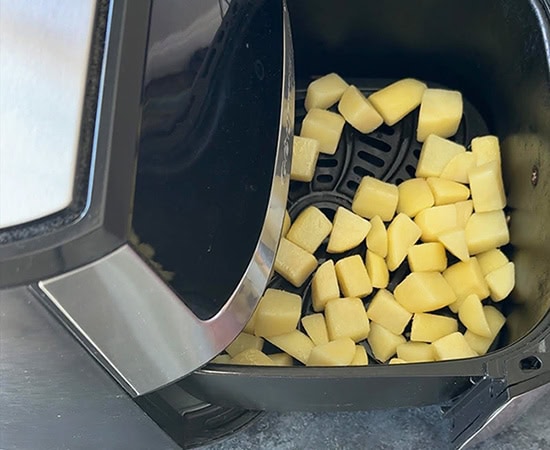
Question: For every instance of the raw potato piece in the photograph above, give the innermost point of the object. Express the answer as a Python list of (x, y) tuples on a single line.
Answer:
[(346, 317), (496, 321), (487, 187), (431, 327), (252, 357), (375, 198), (457, 168), (335, 353), (447, 191), (402, 234), (414, 196), (377, 239), (281, 359), (353, 278), (310, 229), (348, 231), (466, 278), (436, 220), (295, 343), (358, 111), (377, 270), (286, 224), (386, 311), (316, 328), (397, 361), (293, 263), (455, 242), (464, 211), (221, 359), (486, 149), (398, 99), (436, 153), (325, 91), (424, 292), (501, 282), (485, 231), (491, 260), (383, 342), (360, 358), (325, 127), (249, 327), (324, 286), (440, 113), (278, 312), (453, 346), (471, 314), (430, 257), (305, 152), (415, 352), (243, 342)]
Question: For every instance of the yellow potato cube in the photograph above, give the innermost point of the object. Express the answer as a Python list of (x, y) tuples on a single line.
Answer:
[(316, 328), (325, 91), (335, 353), (429, 257), (346, 317), (305, 152), (431, 327), (358, 111), (293, 263), (386, 311), (295, 343), (414, 196), (466, 278), (398, 99), (375, 198), (436, 153), (436, 220), (487, 187), (455, 242), (348, 231), (353, 278), (471, 314), (377, 270), (286, 224), (377, 239), (310, 229), (485, 231), (221, 359), (383, 342), (464, 211), (360, 358), (486, 149), (243, 342), (491, 260), (325, 127), (416, 352), (324, 286), (249, 327), (397, 361), (278, 312), (501, 282), (281, 359), (452, 346), (252, 357), (496, 321), (402, 234), (447, 191), (423, 292), (440, 113), (457, 168)]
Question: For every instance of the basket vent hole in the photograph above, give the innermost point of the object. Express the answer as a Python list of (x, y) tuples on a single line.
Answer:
[(374, 160), (530, 363), (325, 178), (410, 170), (327, 163), (362, 172), (353, 185), (416, 153)]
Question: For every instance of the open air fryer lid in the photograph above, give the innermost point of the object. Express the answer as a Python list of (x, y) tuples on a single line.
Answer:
[(160, 241)]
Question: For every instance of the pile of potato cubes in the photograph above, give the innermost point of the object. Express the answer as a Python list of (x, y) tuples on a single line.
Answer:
[(452, 209)]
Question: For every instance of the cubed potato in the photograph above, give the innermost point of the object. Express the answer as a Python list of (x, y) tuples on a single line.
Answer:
[(335, 353), (295, 343), (310, 229), (386, 311), (435, 154), (486, 149), (436, 220), (249, 327), (487, 187), (221, 359), (466, 278), (496, 321), (501, 282), (485, 231), (414, 196), (305, 152), (402, 234), (278, 312), (398, 99), (324, 92), (353, 278), (286, 224), (457, 168), (281, 359), (464, 211), (393, 361), (324, 286), (452, 346), (243, 342), (348, 231), (325, 127), (383, 342), (377, 270), (416, 352), (377, 239), (429, 257), (293, 263), (440, 113), (316, 328), (472, 316), (360, 358), (424, 292), (375, 198), (358, 111), (347, 317), (455, 242), (491, 260), (252, 357), (447, 191), (431, 327)]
